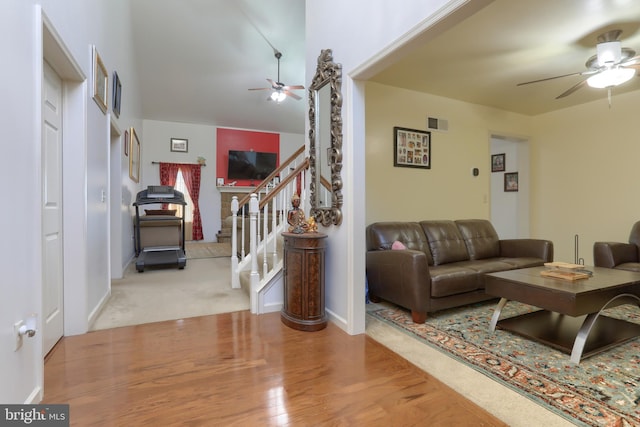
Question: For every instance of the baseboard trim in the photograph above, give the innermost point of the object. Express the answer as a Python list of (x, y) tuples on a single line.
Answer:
[(96, 311)]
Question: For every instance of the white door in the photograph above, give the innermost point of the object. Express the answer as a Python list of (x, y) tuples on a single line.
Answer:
[(52, 257)]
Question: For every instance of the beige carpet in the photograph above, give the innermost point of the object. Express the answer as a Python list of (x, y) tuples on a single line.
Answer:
[(203, 287), (199, 250)]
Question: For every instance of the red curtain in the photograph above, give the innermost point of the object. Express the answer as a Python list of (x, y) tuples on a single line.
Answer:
[(191, 174), (168, 173)]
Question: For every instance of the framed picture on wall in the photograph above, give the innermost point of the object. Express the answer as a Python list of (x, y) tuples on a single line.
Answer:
[(134, 156), (511, 181), (412, 148), (179, 145), (117, 94), (100, 81), (126, 142), (497, 162)]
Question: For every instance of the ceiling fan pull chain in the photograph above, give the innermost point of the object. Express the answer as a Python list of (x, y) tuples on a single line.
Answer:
[(609, 97)]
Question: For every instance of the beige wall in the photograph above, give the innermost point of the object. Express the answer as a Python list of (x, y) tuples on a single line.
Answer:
[(448, 190), (583, 165), (584, 168)]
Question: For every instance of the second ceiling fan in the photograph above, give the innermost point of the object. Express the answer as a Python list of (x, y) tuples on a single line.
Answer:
[(611, 66), (279, 90)]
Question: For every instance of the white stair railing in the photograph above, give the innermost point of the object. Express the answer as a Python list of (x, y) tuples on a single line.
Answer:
[(270, 203)]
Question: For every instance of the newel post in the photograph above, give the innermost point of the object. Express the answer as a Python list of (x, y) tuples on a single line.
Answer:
[(253, 236), (235, 274)]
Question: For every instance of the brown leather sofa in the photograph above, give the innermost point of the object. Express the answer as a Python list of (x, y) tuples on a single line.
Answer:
[(444, 262), (623, 256)]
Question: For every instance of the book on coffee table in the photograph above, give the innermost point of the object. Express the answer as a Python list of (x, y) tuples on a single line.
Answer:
[(564, 275), (565, 271), (563, 266)]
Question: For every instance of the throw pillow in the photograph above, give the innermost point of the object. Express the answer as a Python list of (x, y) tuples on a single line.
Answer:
[(398, 246)]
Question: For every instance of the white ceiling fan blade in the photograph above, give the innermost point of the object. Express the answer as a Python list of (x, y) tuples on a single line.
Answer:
[(260, 88), (635, 61), (294, 87), (292, 95), (550, 78), (572, 89)]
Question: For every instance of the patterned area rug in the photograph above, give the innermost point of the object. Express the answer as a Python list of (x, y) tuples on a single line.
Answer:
[(201, 250), (603, 390)]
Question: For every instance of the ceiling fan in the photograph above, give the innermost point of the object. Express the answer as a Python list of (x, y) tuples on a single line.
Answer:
[(610, 67), (279, 91)]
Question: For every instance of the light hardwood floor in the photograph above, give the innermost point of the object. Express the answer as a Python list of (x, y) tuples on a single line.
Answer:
[(240, 369)]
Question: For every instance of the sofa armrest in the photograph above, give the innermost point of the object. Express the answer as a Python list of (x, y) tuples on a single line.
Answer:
[(400, 276), (532, 248), (610, 254)]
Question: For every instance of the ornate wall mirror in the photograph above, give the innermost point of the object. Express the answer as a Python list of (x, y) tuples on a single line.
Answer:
[(325, 141)]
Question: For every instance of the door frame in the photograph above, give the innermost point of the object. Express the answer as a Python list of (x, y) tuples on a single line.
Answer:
[(74, 199)]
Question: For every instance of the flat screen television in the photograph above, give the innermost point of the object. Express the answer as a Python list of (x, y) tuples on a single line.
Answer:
[(252, 165)]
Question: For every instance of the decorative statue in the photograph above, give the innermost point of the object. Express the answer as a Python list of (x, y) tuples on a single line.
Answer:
[(296, 218), (312, 227)]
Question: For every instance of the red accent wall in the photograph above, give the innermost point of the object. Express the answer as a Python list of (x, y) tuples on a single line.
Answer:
[(234, 139)]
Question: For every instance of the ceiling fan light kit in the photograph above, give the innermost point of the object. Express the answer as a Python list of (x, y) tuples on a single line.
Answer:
[(611, 77), (278, 96)]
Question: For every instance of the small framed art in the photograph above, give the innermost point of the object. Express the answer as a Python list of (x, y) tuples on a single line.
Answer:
[(511, 181), (179, 145), (134, 156), (126, 142), (117, 94), (412, 148), (497, 162)]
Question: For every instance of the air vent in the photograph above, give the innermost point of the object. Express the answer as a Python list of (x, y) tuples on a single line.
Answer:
[(440, 125)]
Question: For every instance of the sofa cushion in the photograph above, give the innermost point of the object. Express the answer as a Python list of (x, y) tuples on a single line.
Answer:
[(629, 266), (445, 241), (523, 262), (452, 279), (480, 237), (381, 235)]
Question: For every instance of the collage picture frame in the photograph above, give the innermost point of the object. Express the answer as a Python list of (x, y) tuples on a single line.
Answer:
[(412, 148)]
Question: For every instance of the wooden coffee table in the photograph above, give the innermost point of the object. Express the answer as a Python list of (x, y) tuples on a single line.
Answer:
[(571, 318)]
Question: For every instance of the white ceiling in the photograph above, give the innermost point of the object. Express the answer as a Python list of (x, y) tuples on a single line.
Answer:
[(482, 59), (198, 58)]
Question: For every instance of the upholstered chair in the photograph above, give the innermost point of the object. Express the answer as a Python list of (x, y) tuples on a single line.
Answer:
[(623, 256)]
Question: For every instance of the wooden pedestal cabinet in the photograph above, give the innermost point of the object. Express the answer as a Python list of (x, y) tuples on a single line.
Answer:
[(303, 307)]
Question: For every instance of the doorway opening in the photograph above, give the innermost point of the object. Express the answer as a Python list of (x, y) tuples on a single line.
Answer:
[(509, 208)]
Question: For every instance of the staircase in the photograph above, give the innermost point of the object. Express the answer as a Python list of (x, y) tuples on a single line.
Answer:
[(256, 240)]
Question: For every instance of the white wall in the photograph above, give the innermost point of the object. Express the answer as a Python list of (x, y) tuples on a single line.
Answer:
[(79, 25), (20, 164)]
